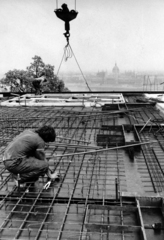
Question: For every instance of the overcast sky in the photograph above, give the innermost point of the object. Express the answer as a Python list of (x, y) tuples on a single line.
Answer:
[(128, 32)]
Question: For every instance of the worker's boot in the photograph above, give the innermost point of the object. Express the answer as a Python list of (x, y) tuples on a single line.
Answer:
[(21, 185), (17, 179)]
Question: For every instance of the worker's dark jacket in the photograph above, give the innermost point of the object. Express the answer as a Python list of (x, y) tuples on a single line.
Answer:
[(22, 156), (37, 86)]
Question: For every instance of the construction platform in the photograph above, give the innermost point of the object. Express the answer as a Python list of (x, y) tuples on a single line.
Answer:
[(110, 157)]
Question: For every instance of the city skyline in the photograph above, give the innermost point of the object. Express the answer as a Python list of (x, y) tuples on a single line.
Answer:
[(127, 32)]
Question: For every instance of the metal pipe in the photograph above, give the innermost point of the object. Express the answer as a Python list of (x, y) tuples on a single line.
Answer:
[(144, 125), (68, 205), (106, 149), (90, 115), (77, 146), (116, 187), (141, 220), (86, 203), (72, 139)]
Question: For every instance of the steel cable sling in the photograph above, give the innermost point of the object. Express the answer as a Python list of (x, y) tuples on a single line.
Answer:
[(68, 53), (67, 15)]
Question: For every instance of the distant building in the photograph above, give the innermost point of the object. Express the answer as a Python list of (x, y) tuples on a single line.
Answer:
[(130, 73), (115, 71), (101, 75)]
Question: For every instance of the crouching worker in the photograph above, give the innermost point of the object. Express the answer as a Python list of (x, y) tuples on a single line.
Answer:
[(25, 157)]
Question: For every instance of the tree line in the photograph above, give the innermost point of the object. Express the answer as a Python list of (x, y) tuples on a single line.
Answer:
[(21, 80)]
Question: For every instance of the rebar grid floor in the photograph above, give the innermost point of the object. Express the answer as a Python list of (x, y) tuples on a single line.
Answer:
[(89, 200)]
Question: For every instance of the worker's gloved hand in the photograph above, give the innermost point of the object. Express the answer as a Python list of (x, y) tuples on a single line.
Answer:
[(55, 176)]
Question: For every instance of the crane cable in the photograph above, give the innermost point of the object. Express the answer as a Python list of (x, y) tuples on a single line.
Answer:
[(81, 71), (68, 53)]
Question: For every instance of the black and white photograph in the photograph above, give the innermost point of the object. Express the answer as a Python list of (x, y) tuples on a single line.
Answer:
[(81, 119)]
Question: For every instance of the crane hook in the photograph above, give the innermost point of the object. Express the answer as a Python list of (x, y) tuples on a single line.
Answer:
[(66, 15)]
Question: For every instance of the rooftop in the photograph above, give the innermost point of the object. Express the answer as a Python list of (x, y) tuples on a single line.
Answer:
[(109, 151)]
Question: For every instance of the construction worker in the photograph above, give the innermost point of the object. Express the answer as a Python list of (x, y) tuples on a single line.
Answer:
[(25, 156), (38, 83)]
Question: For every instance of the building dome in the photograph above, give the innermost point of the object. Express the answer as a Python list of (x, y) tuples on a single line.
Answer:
[(115, 70)]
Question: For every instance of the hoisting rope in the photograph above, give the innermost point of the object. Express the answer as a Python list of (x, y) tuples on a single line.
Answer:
[(81, 71), (68, 53), (66, 15)]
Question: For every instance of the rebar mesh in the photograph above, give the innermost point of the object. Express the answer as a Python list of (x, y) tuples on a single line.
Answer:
[(62, 211)]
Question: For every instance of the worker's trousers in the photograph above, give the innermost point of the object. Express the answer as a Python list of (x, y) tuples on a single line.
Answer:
[(29, 168)]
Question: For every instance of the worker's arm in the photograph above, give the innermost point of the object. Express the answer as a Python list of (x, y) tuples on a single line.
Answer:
[(40, 151), (44, 82), (40, 154)]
